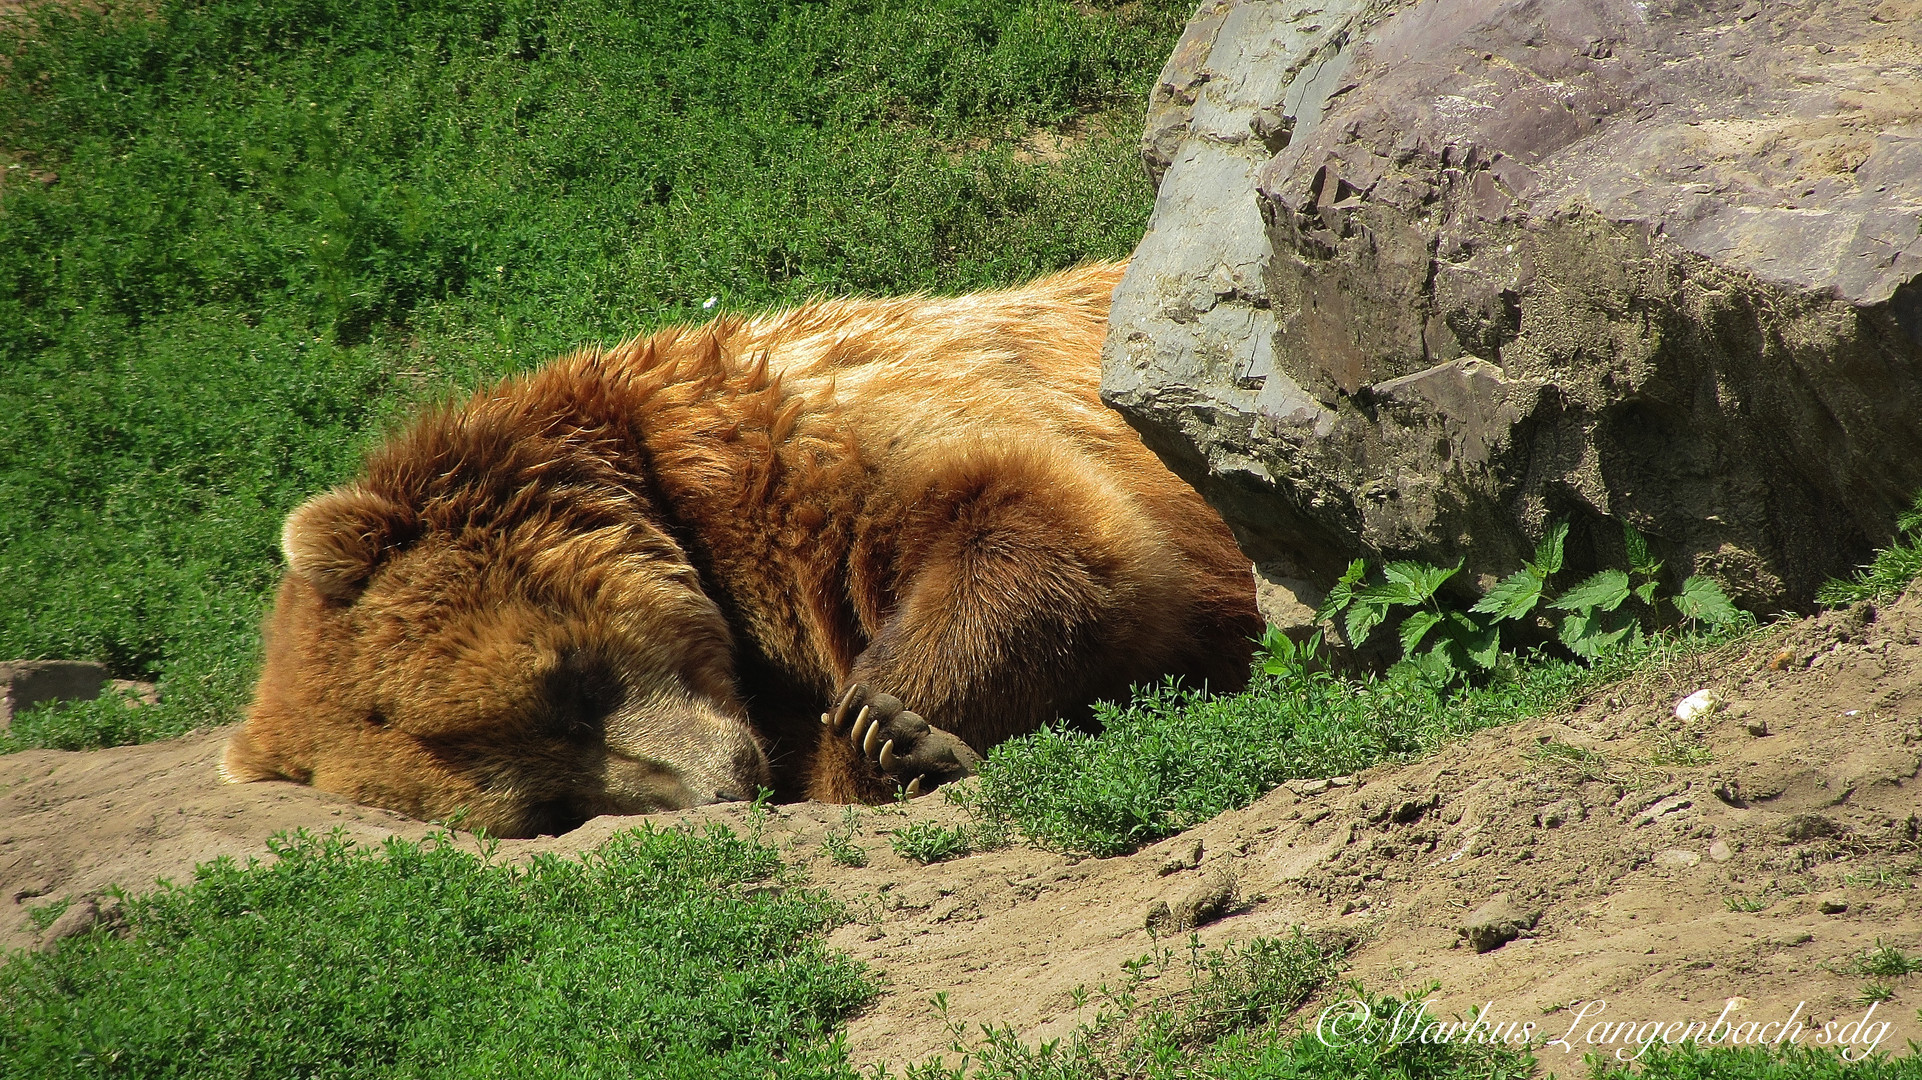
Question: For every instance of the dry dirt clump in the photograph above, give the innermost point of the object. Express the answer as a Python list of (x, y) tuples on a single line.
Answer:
[(1613, 853)]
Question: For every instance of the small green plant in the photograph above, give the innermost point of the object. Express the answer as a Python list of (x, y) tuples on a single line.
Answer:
[(1681, 749), (927, 842), (46, 914), (1230, 1021), (1879, 878), (1579, 764), (1243, 986), (1892, 569), (1174, 757), (1747, 904), (1447, 645), (1875, 993), (839, 843), (1288, 659), (1459, 639), (1888, 962)]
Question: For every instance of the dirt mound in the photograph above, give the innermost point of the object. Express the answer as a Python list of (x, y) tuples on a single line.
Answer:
[(1611, 853)]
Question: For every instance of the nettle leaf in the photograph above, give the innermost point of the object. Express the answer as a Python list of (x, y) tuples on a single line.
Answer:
[(1343, 593), (1422, 580), (1588, 636), (1415, 627), (1605, 591), (1363, 618), (1645, 592), (1435, 665), (1388, 593), (1576, 627), (1514, 597), (1615, 631), (1638, 561), (1481, 644), (1704, 601), (1548, 553)]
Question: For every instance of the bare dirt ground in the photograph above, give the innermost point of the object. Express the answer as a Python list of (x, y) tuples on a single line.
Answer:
[(1754, 854)]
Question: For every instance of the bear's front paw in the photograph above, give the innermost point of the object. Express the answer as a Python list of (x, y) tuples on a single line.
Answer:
[(899, 742)]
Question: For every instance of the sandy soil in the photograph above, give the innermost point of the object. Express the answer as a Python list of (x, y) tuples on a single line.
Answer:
[(1799, 799)]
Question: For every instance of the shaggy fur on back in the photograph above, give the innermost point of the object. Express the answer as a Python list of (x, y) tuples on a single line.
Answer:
[(637, 578)]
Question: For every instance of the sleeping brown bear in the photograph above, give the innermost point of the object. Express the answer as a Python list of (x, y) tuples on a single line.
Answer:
[(749, 554)]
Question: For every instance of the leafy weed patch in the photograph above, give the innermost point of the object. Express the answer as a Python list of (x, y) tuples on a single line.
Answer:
[(929, 842), (1175, 757)]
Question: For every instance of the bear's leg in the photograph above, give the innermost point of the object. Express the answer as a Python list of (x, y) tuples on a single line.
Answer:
[(1028, 588)]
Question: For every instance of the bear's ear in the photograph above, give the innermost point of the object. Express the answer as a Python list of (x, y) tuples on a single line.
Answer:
[(336, 540)]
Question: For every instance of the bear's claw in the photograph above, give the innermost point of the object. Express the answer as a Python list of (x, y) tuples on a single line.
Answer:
[(898, 741)]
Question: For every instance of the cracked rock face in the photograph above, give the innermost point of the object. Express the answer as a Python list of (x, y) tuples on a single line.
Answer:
[(1424, 277)]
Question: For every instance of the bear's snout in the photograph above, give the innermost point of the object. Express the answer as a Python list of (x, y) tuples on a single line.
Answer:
[(670, 757)]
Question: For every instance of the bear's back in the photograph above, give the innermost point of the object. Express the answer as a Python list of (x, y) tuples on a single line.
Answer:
[(907, 378)]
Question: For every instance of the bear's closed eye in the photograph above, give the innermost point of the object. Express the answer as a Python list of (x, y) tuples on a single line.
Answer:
[(580, 694)]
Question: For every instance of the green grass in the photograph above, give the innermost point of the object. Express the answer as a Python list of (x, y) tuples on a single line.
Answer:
[(839, 846), (277, 226), (1174, 758), (928, 842), (659, 954), (1888, 961), (1892, 569)]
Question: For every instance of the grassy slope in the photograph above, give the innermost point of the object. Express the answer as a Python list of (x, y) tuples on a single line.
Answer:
[(277, 224)]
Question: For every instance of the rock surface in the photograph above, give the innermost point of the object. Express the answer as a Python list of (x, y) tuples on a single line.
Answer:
[(1496, 923), (1424, 277), (26, 683)]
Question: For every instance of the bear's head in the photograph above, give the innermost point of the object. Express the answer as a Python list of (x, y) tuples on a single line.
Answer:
[(493, 627)]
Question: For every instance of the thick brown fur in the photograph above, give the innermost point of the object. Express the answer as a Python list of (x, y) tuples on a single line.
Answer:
[(635, 578)]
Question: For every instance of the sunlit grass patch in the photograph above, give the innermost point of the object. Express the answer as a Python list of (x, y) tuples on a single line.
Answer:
[(656, 954)]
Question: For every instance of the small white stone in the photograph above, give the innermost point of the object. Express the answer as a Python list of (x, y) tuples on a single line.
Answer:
[(1700, 703)]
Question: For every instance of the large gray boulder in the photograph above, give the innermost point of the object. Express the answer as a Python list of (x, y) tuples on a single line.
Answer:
[(1424, 277)]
